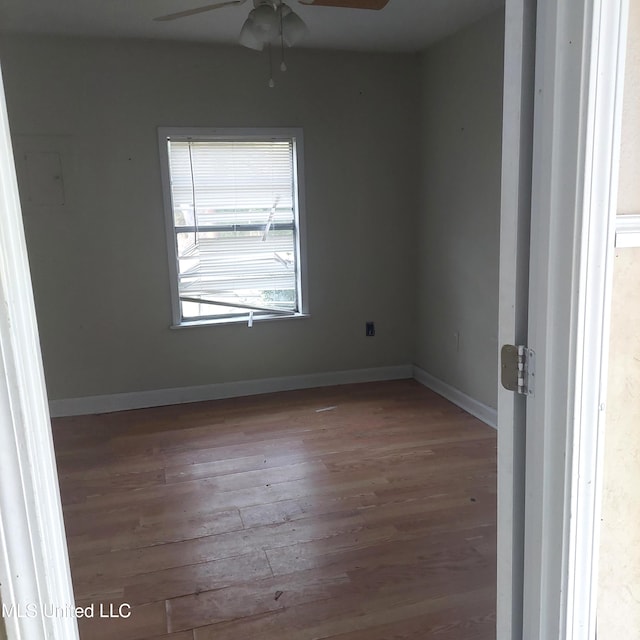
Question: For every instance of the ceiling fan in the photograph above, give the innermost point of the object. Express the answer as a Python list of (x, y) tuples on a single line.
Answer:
[(272, 21)]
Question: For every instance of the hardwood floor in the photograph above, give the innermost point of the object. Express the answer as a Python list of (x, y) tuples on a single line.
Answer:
[(361, 512)]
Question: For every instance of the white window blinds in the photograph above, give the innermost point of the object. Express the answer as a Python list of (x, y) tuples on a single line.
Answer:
[(235, 224)]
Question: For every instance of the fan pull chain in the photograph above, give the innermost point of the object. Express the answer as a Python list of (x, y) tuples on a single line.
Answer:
[(283, 64), (272, 82)]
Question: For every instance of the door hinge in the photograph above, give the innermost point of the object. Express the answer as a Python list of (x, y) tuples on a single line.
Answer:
[(517, 364)]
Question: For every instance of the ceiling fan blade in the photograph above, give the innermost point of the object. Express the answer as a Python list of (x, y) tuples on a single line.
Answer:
[(191, 12), (375, 5)]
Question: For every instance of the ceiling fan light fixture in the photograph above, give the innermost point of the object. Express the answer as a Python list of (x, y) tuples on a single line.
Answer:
[(268, 24), (249, 37), (293, 27), (265, 19)]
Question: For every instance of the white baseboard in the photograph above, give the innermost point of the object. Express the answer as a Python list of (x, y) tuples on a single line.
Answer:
[(161, 397), (481, 411)]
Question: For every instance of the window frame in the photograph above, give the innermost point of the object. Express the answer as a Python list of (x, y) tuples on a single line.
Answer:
[(293, 134)]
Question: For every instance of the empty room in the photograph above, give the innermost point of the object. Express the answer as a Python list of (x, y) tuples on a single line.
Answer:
[(263, 243)]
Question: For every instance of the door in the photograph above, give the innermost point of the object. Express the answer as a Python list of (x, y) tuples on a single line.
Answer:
[(517, 145)]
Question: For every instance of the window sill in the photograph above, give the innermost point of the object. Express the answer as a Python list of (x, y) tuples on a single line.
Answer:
[(239, 320)]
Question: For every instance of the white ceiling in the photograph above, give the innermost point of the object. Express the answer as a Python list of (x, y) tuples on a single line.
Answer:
[(404, 25)]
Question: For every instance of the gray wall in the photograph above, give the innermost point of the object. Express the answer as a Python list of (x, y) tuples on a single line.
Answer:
[(402, 160), (457, 319), (100, 269)]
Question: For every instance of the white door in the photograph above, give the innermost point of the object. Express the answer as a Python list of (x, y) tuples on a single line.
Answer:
[(517, 145)]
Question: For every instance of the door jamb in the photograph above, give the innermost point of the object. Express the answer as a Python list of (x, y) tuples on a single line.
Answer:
[(579, 76)]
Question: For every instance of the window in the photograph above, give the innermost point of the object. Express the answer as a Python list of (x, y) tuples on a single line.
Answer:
[(233, 223)]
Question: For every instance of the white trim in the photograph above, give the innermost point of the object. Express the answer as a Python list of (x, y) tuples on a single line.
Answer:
[(628, 230), (163, 155), (594, 291), (195, 324), (180, 395), (576, 130), (487, 414), (34, 565), (296, 135)]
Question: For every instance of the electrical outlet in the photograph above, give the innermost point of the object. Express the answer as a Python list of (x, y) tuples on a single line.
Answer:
[(370, 329)]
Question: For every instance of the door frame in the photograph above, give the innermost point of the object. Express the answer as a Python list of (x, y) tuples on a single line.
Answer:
[(35, 581), (578, 111)]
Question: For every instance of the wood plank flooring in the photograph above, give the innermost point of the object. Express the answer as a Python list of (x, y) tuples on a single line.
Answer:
[(360, 512)]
